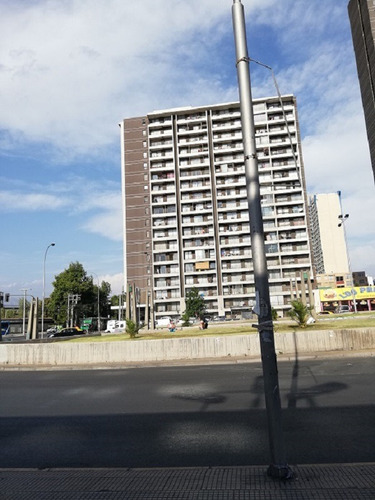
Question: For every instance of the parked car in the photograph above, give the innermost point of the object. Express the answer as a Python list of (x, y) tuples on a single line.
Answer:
[(163, 321), (219, 318), (67, 332), (326, 312), (343, 309)]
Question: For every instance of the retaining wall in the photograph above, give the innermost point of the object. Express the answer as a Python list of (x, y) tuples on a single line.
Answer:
[(138, 350)]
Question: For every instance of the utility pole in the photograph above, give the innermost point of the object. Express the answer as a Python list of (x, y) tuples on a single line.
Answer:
[(24, 290), (278, 467)]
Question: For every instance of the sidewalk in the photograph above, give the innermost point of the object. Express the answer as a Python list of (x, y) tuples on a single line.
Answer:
[(317, 482)]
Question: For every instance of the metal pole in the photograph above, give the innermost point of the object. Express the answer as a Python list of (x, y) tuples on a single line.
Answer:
[(278, 467), (24, 290), (44, 282)]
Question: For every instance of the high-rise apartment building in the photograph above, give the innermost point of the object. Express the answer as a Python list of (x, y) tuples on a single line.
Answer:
[(330, 256), (362, 20), (186, 220)]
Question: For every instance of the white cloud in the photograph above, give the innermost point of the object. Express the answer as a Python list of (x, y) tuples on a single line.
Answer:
[(17, 201), (116, 281), (71, 70)]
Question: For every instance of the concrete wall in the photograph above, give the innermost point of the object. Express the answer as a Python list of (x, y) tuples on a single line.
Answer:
[(138, 351)]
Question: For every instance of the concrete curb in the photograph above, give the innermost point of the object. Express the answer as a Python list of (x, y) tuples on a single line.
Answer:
[(225, 347)]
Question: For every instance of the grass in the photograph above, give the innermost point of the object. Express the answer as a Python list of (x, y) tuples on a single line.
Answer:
[(332, 322)]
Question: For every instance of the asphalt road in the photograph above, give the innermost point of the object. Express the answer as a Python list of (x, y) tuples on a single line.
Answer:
[(186, 416)]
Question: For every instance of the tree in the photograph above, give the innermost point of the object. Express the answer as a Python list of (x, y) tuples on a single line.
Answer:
[(195, 306), (299, 313), (75, 281)]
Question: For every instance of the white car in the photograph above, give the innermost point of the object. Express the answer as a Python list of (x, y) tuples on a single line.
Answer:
[(163, 321)]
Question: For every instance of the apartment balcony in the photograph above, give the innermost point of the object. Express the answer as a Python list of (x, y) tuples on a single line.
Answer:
[(233, 241), (193, 185), (164, 222), (238, 180), (193, 162), (238, 290), (201, 280), (165, 187), (291, 223), (160, 132), (225, 114), (160, 122), (155, 144), (166, 296), (169, 234), (164, 257), (231, 205), (165, 248), (163, 210), (191, 118), (231, 168), (232, 135), (199, 242), (161, 154), (295, 261), (205, 172), (232, 193), (191, 151), (166, 271), (276, 117), (206, 293), (235, 253), (222, 157), (197, 139), (192, 128), (197, 219), (194, 207), (164, 199), (234, 228), (243, 215), (230, 266), (238, 278), (197, 231), (232, 123)]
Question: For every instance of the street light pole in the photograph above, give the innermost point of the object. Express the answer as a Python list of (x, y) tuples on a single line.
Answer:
[(44, 282), (24, 290), (278, 467), (343, 218)]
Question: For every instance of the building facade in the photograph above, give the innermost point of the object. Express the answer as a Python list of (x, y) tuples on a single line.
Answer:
[(330, 254), (186, 219), (362, 21)]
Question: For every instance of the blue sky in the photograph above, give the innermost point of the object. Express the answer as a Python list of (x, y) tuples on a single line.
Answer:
[(70, 70)]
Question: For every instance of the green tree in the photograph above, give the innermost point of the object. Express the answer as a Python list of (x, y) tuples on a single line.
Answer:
[(195, 305), (72, 281), (300, 313)]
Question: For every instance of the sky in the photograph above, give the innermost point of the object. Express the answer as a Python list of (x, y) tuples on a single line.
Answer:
[(71, 70)]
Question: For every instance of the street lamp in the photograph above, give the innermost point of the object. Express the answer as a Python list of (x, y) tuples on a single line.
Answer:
[(44, 282), (343, 218)]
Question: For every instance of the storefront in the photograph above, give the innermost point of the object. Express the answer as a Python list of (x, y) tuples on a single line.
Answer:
[(331, 299)]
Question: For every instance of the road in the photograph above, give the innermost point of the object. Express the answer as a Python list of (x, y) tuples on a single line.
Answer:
[(186, 416)]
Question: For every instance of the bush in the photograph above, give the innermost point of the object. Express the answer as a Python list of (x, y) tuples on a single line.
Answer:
[(132, 328), (300, 313)]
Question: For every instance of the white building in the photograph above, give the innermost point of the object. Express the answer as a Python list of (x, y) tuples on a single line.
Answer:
[(330, 254), (186, 220)]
